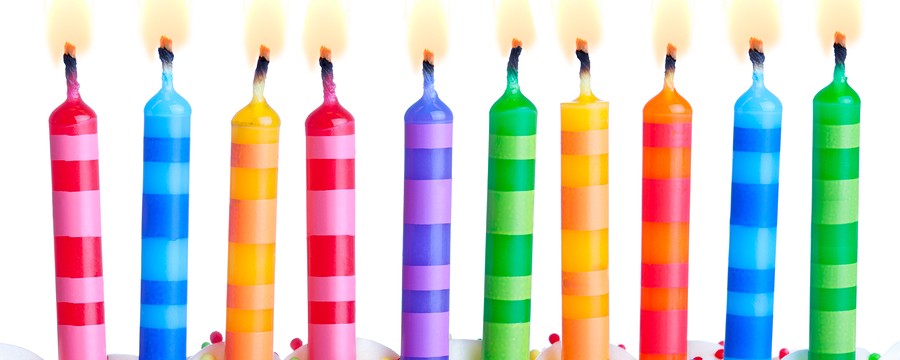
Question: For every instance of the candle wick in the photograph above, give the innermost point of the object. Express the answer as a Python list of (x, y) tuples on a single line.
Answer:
[(512, 67), (585, 70), (428, 77), (757, 57), (328, 86), (670, 67), (259, 79), (166, 57), (72, 85)]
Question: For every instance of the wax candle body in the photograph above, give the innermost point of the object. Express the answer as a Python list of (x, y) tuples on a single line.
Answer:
[(331, 230), (426, 228), (754, 215), (585, 228), (76, 226), (835, 205), (251, 231), (510, 219), (164, 234), (666, 213)]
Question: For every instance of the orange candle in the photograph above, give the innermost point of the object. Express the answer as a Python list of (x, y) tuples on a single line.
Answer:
[(666, 211)]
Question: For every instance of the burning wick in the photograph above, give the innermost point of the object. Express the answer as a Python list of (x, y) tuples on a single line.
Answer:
[(670, 65), (581, 52), (262, 68), (512, 67)]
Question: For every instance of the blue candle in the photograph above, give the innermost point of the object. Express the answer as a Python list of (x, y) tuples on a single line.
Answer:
[(164, 234), (425, 325), (754, 214)]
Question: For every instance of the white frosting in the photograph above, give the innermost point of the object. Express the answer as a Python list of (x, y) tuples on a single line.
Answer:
[(121, 357), (9, 352), (365, 350), (554, 352), (861, 354), (217, 352)]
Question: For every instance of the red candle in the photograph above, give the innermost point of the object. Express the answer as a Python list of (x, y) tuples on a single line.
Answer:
[(76, 224), (330, 225)]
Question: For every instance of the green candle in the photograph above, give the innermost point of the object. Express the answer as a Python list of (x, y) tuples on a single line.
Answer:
[(835, 204), (510, 215)]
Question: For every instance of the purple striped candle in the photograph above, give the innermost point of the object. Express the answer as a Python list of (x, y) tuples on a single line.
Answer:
[(426, 225)]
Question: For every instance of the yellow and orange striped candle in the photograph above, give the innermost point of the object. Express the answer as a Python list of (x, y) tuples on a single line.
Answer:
[(251, 225), (585, 221)]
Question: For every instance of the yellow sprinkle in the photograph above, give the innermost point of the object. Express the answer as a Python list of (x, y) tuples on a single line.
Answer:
[(534, 354), (207, 357)]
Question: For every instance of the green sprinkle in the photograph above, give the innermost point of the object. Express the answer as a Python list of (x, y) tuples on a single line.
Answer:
[(204, 345), (874, 356)]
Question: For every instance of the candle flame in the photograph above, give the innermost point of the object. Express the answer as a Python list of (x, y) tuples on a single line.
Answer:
[(325, 25), (514, 20), (264, 25), (68, 21), (428, 29), (752, 18), (577, 19), (672, 25), (838, 15), (167, 18)]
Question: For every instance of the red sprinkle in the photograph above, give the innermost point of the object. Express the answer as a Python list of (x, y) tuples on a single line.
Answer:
[(296, 343), (215, 337), (554, 338), (782, 353), (722, 343), (720, 354), (622, 346), (698, 358)]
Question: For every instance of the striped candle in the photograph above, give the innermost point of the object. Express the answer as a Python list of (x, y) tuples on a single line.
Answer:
[(425, 323), (585, 220), (666, 212), (251, 225), (164, 243), (510, 220), (754, 215), (76, 224), (835, 216), (330, 225)]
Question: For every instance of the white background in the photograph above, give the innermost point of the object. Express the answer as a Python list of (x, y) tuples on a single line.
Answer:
[(376, 83)]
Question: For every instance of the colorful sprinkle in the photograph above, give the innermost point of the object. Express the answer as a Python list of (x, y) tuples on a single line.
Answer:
[(534, 354), (783, 352), (698, 358), (722, 343), (296, 343), (215, 337), (874, 356), (720, 354), (554, 338), (204, 344), (622, 346)]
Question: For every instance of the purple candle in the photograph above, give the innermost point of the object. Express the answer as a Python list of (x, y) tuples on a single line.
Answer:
[(426, 225)]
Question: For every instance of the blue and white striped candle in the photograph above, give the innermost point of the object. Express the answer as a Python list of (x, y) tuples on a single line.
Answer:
[(164, 246), (754, 215), (425, 322)]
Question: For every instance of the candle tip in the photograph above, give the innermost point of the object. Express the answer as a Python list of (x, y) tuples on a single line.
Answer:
[(325, 53), (262, 65), (264, 52), (165, 50), (671, 51), (581, 45), (757, 57), (756, 44), (840, 48), (670, 58), (516, 43), (581, 53), (428, 68), (428, 56), (69, 50)]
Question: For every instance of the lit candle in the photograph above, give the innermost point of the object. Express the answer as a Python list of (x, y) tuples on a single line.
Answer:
[(251, 224), (585, 220), (835, 214), (76, 224), (666, 213), (164, 243), (754, 215), (331, 224), (510, 219), (425, 329)]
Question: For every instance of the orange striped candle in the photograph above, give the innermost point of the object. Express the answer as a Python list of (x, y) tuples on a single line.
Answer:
[(585, 221), (251, 227)]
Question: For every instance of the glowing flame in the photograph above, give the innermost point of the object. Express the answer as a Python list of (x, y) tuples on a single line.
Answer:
[(577, 19), (752, 18), (514, 20), (672, 24), (325, 25), (427, 29), (68, 21), (167, 18), (265, 26), (838, 15)]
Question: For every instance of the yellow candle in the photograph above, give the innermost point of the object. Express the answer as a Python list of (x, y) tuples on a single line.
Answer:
[(251, 230), (585, 221)]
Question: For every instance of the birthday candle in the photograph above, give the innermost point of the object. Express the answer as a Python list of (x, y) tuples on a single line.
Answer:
[(585, 220), (76, 224), (330, 224), (251, 224), (754, 215), (425, 329), (835, 214), (164, 243), (510, 219), (666, 212)]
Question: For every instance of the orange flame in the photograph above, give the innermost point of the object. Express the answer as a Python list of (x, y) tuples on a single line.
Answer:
[(672, 25), (428, 29), (838, 15), (68, 21), (752, 18), (264, 25), (577, 19), (325, 25), (514, 20), (167, 18)]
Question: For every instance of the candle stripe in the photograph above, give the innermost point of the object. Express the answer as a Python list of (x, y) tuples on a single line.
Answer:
[(327, 262), (667, 135), (335, 212), (512, 212), (586, 210), (78, 257), (506, 250), (749, 350), (165, 216), (435, 277), (836, 136), (163, 317), (77, 213), (426, 343), (79, 314), (754, 205), (259, 156), (430, 301), (248, 222), (584, 170), (249, 320), (751, 280), (249, 264), (429, 136), (588, 142), (507, 287), (428, 164), (74, 148), (757, 140), (253, 184), (167, 150), (331, 147), (79, 290), (427, 201), (330, 174), (762, 306), (151, 339), (426, 244), (163, 292), (246, 345), (330, 340), (585, 307), (332, 312), (514, 186), (250, 296), (166, 178), (88, 341), (664, 201), (163, 250), (585, 283), (665, 276), (332, 288), (75, 175)]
